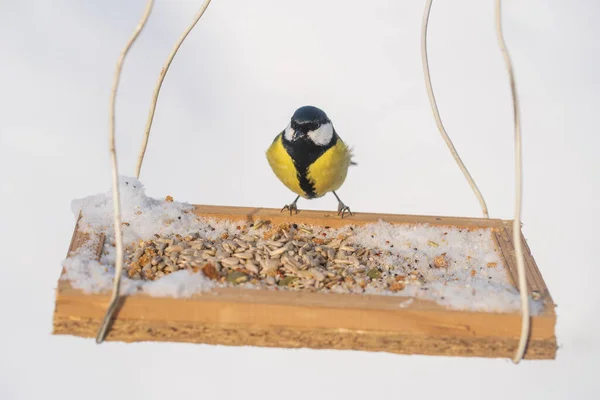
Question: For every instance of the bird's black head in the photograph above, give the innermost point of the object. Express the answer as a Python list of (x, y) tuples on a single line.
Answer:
[(311, 126), (308, 118)]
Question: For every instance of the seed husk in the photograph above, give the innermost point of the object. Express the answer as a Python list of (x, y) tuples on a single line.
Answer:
[(440, 261), (176, 248), (237, 277), (230, 261), (245, 255), (210, 271), (374, 273), (287, 280), (252, 267)]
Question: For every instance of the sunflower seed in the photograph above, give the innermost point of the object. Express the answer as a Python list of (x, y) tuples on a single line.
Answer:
[(230, 261), (245, 256), (278, 252), (259, 223), (250, 266), (176, 248), (319, 276), (248, 238), (156, 260), (330, 253), (345, 262), (138, 253), (304, 274)]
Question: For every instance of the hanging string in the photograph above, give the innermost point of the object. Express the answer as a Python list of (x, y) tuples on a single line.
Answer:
[(436, 113), (525, 322), (161, 78), (115, 178)]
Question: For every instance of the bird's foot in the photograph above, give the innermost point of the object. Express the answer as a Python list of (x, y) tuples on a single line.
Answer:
[(343, 209), (292, 206)]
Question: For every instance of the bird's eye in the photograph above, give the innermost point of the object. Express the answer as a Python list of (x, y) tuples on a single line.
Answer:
[(311, 127)]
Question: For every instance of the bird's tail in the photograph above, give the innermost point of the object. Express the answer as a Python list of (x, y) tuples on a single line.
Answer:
[(351, 153)]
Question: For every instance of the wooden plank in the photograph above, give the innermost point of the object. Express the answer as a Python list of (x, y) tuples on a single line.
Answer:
[(532, 265), (330, 218), (235, 316), (80, 238), (535, 283)]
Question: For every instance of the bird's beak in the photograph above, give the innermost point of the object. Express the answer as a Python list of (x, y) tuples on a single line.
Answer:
[(297, 135)]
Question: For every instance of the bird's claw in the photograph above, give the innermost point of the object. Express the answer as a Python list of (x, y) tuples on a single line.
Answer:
[(342, 209), (292, 207)]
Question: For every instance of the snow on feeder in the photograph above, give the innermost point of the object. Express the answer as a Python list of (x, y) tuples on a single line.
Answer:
[(256, 276)]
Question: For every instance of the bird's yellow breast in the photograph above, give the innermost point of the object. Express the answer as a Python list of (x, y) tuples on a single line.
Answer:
[(325, 174), (283, 166), (329, 171)]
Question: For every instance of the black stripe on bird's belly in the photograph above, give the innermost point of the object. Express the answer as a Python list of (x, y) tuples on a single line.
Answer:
[(304, 152)]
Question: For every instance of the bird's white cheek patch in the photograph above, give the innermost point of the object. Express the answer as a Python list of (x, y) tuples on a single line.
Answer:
[(289, 133), (323, 135)]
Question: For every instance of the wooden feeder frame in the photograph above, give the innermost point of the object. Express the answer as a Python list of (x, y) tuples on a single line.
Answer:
[(296, 319)]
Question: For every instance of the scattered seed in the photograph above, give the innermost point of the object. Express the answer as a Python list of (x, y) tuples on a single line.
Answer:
[(259, 223), (287, 280), (210, 271), (245, 256), (270, 280), (345, 262), (278, 252), (374, 273), (175, 248), (440, 261), (230, 261), (252, 267), (237, 277), (283, 256)]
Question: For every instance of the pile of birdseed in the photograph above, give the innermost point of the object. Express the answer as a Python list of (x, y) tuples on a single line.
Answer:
[(286, 256), (172, 252)]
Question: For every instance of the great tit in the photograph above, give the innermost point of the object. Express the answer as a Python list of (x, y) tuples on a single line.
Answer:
[(309, 157)]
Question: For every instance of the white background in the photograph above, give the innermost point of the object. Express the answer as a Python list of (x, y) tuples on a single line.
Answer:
[(234, 85)]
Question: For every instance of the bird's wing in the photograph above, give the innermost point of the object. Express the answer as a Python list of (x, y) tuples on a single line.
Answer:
[(283, 166)]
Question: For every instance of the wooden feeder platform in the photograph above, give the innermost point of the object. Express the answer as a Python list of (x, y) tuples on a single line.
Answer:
[(295, 319)]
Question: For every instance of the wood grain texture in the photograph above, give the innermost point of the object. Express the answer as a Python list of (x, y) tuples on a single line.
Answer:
[(315, 338), (330, 218), (271, 318)]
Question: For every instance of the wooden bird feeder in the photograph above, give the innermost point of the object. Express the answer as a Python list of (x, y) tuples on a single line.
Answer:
[(296, 318), (233, 316)]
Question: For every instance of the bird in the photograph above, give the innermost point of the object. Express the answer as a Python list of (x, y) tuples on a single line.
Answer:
[(310, 158)]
